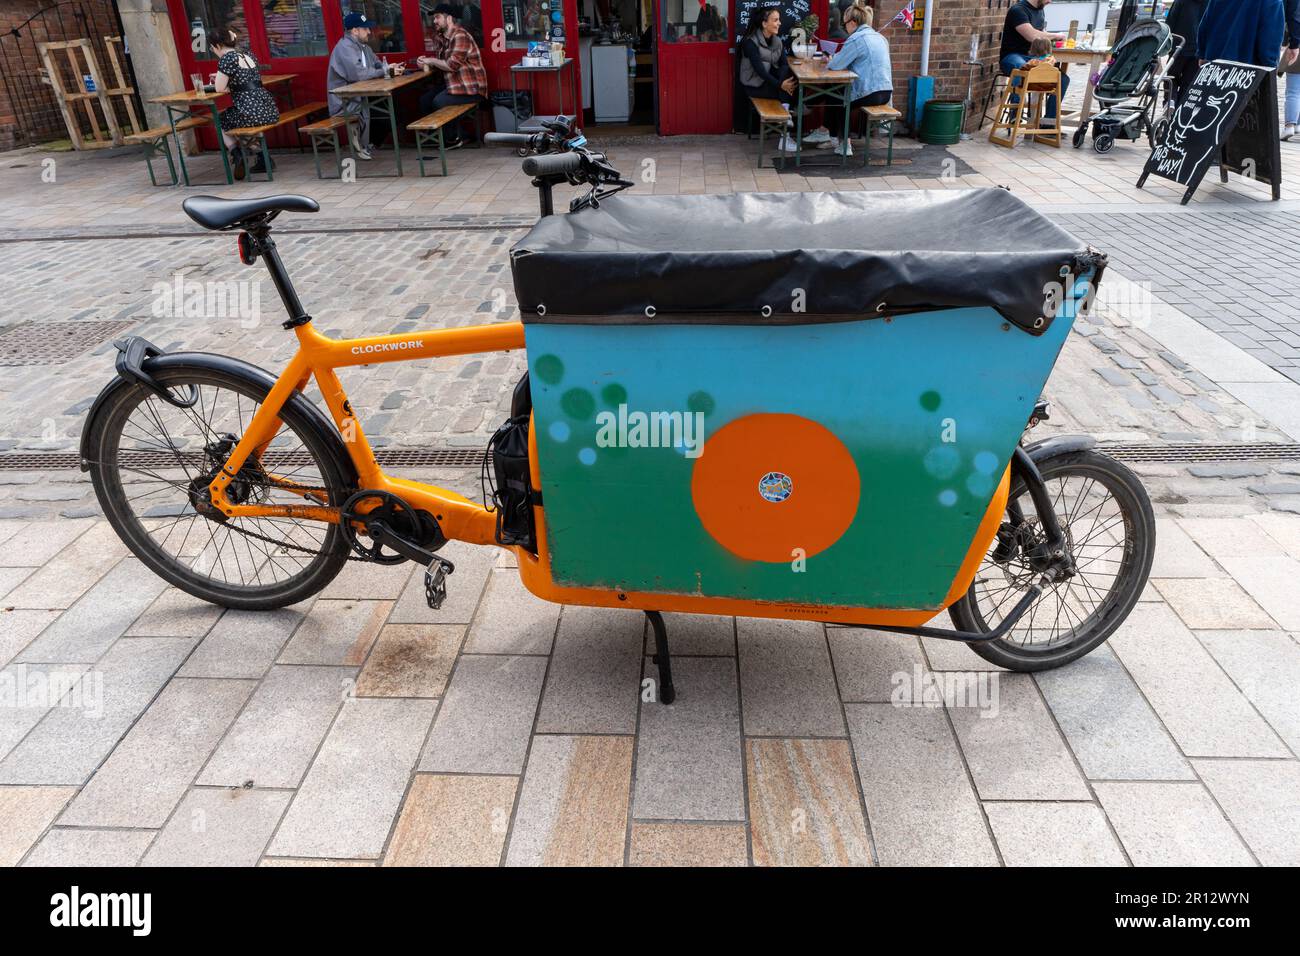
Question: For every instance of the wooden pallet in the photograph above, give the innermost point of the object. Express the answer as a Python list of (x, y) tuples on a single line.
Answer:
[(68, 98), (121, 89)]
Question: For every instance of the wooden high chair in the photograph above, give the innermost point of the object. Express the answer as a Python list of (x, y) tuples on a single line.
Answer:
[(1025, 118)]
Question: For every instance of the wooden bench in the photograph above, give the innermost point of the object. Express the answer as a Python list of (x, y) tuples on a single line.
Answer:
[(155, 142), (428, 130), (880, 117), (256, 135), (329, 127), (772, 118)]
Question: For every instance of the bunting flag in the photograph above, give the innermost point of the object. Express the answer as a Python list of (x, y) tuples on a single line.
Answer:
[(907, 15)]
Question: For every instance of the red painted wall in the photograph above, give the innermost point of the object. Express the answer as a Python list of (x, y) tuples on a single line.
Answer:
[(309, 82)]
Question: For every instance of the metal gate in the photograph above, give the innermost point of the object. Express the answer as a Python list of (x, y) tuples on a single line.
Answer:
[(25, 93)]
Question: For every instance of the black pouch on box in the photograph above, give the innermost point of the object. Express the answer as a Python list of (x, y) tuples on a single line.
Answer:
[(512, 486)]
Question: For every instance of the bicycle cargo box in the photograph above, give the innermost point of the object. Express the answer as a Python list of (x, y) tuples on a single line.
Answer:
[(808, 399)]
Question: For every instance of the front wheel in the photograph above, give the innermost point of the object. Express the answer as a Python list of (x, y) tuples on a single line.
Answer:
[(153, 462), (1110, 531)]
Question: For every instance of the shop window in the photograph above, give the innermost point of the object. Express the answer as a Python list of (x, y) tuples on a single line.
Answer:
[(295, 28), (686, 21), (388, 35), (207, 18), (471, 18), (528, 20)]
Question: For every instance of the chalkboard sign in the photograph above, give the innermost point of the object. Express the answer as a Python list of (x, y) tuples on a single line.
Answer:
[(1201, 126), (1254, 149), (792, 11)]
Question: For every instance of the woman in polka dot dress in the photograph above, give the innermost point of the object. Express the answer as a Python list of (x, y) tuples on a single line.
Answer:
[(237, 73)]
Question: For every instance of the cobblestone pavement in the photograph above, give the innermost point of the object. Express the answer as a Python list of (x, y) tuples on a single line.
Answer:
[(1233, 271), (393, 281), (360, 727)]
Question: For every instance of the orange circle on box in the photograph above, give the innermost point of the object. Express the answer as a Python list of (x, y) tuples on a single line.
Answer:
[(767, 484)]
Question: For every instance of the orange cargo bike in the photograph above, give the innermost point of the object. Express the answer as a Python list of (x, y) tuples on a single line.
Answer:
[(801, 406)]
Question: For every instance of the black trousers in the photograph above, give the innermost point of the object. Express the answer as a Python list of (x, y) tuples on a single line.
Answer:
[(436, 99), (768, 91), (878, 98)]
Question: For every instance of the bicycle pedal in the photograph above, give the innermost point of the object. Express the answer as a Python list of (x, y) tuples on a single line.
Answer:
[(435, 581)]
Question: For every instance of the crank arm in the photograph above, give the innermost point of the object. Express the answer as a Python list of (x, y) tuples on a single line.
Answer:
[(380, 533)]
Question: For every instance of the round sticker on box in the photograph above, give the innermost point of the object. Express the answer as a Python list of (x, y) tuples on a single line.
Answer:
[(775, 486)]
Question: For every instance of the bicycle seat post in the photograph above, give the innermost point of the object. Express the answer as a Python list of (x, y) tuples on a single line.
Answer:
[(265, 247)]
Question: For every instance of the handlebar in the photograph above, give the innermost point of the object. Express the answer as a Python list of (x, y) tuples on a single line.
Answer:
[(557, 153), (553, 164), (508, 139)]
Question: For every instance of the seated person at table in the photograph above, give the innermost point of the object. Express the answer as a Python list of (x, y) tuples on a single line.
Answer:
[(764, 70), (866, 53), (1023, 25), (352, 61), (252, 105), (457, 55)]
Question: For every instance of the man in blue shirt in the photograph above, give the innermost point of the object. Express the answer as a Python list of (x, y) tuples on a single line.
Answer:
[(1244, 31), (1025, 23)]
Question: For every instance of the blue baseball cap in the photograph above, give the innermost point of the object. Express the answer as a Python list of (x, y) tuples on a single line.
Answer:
[(354, 20)]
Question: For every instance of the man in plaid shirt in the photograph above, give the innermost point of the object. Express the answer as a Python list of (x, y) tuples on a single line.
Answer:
[(457, 55)]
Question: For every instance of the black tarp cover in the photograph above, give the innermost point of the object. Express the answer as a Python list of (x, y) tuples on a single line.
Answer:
[(722, 259)]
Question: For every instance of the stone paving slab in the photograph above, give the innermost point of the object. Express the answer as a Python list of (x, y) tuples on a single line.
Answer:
[(219, 827), (1171, 824), (276, 736), (1053, 834), (347, 803), (147, 773)]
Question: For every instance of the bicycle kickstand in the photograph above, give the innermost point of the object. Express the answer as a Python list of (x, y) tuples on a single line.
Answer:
[(661, 657)]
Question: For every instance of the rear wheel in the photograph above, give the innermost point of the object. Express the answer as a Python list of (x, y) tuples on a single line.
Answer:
[(1109, 527), (153, 462)]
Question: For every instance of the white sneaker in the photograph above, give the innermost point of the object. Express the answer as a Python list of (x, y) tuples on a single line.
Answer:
[(817, 136), (363, 153), (788, 145), (1289, 130)]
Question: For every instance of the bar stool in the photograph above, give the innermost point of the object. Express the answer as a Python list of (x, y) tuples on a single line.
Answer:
[(1000, 79)]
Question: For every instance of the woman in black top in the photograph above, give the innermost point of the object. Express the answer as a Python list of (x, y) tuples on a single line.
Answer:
[(764, 72), (238, 75)]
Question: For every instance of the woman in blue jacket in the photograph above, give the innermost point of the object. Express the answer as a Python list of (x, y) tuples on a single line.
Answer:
[(866, 53)]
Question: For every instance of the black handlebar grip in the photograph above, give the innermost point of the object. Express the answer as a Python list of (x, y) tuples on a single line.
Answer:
[(507, 139), (552, 164)]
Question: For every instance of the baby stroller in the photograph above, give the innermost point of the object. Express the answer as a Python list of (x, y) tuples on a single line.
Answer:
[(1130, 87)]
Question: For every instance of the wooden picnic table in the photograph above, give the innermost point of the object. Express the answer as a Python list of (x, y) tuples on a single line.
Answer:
[(818, 81), (1093, 59), (378, 92), (178, 106)]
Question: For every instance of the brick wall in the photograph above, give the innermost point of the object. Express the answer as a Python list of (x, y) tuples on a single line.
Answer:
[(28, 112), (954, 22)]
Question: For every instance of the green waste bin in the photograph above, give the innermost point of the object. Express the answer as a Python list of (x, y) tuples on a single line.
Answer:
[(941, 122)]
